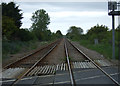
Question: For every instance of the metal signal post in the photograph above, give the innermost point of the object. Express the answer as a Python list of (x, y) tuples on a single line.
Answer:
[(112, 6)]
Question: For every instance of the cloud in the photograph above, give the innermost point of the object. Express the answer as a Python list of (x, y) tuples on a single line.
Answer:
[(58, 0), (27, 15), (66, 14), (77, 14)]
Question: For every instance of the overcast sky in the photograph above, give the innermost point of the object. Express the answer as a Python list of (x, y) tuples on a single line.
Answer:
[(66, 14)]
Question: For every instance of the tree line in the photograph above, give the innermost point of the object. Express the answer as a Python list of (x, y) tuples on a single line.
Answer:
[(100, 32), (11, 23)]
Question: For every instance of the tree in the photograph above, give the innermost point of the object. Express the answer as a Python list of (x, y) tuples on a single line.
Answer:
[(58, 34), (8, 28), (47, 35), (24, 35), (12, 11), (98, 32), (40, 21), (74, 32), (11, 20)]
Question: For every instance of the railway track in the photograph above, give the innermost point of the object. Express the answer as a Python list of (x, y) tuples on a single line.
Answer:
[(30, 59), (95, 64), (19, 66), (29, 66)]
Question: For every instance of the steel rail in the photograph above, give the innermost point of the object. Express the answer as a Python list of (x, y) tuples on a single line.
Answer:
[(95, 64), (32, 67), (69, 66), (25, 57)]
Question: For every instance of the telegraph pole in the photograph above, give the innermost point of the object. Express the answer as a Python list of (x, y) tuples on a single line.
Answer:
[(113, 35), (112, 7), (119, 32)]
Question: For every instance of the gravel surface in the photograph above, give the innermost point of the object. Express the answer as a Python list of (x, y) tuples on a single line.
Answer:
[(34, 58), (18, 56), (92, 54), (74, 55), (57, 56)]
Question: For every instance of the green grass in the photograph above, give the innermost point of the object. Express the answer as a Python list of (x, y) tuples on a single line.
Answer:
[(14, 47), (103, 48)]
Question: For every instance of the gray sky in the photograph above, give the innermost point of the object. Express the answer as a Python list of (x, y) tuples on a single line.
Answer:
[(66, 14)]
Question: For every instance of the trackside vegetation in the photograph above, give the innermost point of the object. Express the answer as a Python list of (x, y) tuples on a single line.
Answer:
[(16, 39), (102, 34)]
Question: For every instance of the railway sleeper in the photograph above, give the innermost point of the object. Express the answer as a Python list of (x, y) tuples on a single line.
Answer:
[(103, 63), (12, 72), (51, 69)]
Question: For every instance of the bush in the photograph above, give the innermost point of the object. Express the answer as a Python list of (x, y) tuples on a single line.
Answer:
[(103, 48), (13, 47)]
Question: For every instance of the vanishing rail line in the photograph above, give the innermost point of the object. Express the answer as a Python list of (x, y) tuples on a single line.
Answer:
[(35, 64), (50, 48), (69, 66), (29, 56), (108, 75)]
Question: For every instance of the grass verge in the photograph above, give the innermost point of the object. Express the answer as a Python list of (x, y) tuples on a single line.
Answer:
[(14, 47), (103, 48)]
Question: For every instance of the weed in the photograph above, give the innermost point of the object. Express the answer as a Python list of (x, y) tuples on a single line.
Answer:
[(103, 48), (14, 47)]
